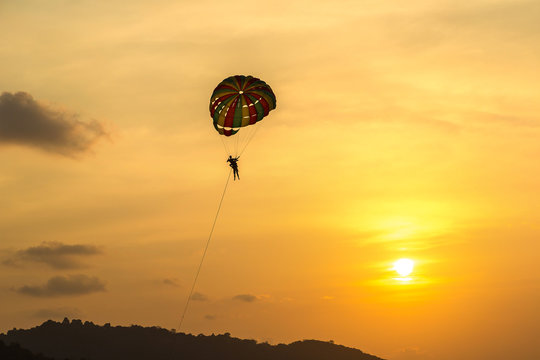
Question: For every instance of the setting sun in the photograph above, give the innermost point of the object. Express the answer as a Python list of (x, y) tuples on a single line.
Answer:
[(404, 267)]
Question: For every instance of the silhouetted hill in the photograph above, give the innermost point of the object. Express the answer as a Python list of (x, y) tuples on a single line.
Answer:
[(15, 352), (78, 340)]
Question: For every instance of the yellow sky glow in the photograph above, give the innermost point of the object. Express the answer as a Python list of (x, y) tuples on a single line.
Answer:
[(402, 130)]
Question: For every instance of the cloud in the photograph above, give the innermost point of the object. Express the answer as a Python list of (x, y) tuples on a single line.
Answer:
[(245, 298), (57, 313), (54, 254), (411, 353), (24, 121), (199, 297), (171, 282), (64, 286)]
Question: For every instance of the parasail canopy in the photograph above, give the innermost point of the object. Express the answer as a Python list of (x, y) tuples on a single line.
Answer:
[(240, 101)]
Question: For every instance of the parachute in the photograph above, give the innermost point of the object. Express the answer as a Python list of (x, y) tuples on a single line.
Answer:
[(238, 102)]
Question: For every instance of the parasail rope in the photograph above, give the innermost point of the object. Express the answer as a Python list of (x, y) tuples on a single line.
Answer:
[(204, 253)]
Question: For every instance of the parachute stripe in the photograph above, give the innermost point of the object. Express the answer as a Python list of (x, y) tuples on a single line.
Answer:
[(221, 92), (226, 87), (257, 106), (264, 104), (250, 81), (223, 131), (268, 99), (269, 96), (229, 117), (240, 81), (222, 110), (245, 111), (237, 121), (252, 111), (216, 103)]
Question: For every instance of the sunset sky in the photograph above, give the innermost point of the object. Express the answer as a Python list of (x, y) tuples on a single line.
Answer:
[(402, 130)]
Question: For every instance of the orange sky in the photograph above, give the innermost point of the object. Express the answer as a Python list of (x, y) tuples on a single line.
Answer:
[(401, 131)]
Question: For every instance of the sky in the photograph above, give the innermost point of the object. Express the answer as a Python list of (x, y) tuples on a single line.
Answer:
[(402, 130)]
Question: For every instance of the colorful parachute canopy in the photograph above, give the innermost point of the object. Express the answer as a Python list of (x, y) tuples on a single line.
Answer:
[(240, 101)]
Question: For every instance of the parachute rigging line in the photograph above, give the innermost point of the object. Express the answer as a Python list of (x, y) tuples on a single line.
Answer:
[(236, 145), (249, 138), (227, 151), (205, 250)]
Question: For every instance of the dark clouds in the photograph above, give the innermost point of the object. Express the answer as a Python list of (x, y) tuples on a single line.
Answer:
[(245, 298), (24, 121), (54, 254), (171, 282), (199, 297), (57, 313), (64, 286)]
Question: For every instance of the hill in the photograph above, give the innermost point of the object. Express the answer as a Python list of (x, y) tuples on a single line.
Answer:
[(15, 352), (78, 340)]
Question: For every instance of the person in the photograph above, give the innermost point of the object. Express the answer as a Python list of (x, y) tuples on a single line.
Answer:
[(233, 162)]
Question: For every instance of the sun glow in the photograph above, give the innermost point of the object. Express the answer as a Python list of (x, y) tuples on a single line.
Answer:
[(403, 267)]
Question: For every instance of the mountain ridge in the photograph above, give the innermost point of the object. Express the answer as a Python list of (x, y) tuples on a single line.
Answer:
[(77, 340)]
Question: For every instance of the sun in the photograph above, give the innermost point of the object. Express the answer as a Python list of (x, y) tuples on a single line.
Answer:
[(404, 267)]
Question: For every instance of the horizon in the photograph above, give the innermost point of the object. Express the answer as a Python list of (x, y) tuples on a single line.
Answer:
[(390, 202), (76, 339)]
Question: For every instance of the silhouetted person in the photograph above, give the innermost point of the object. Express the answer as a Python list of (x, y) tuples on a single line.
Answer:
[(233, 162)]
